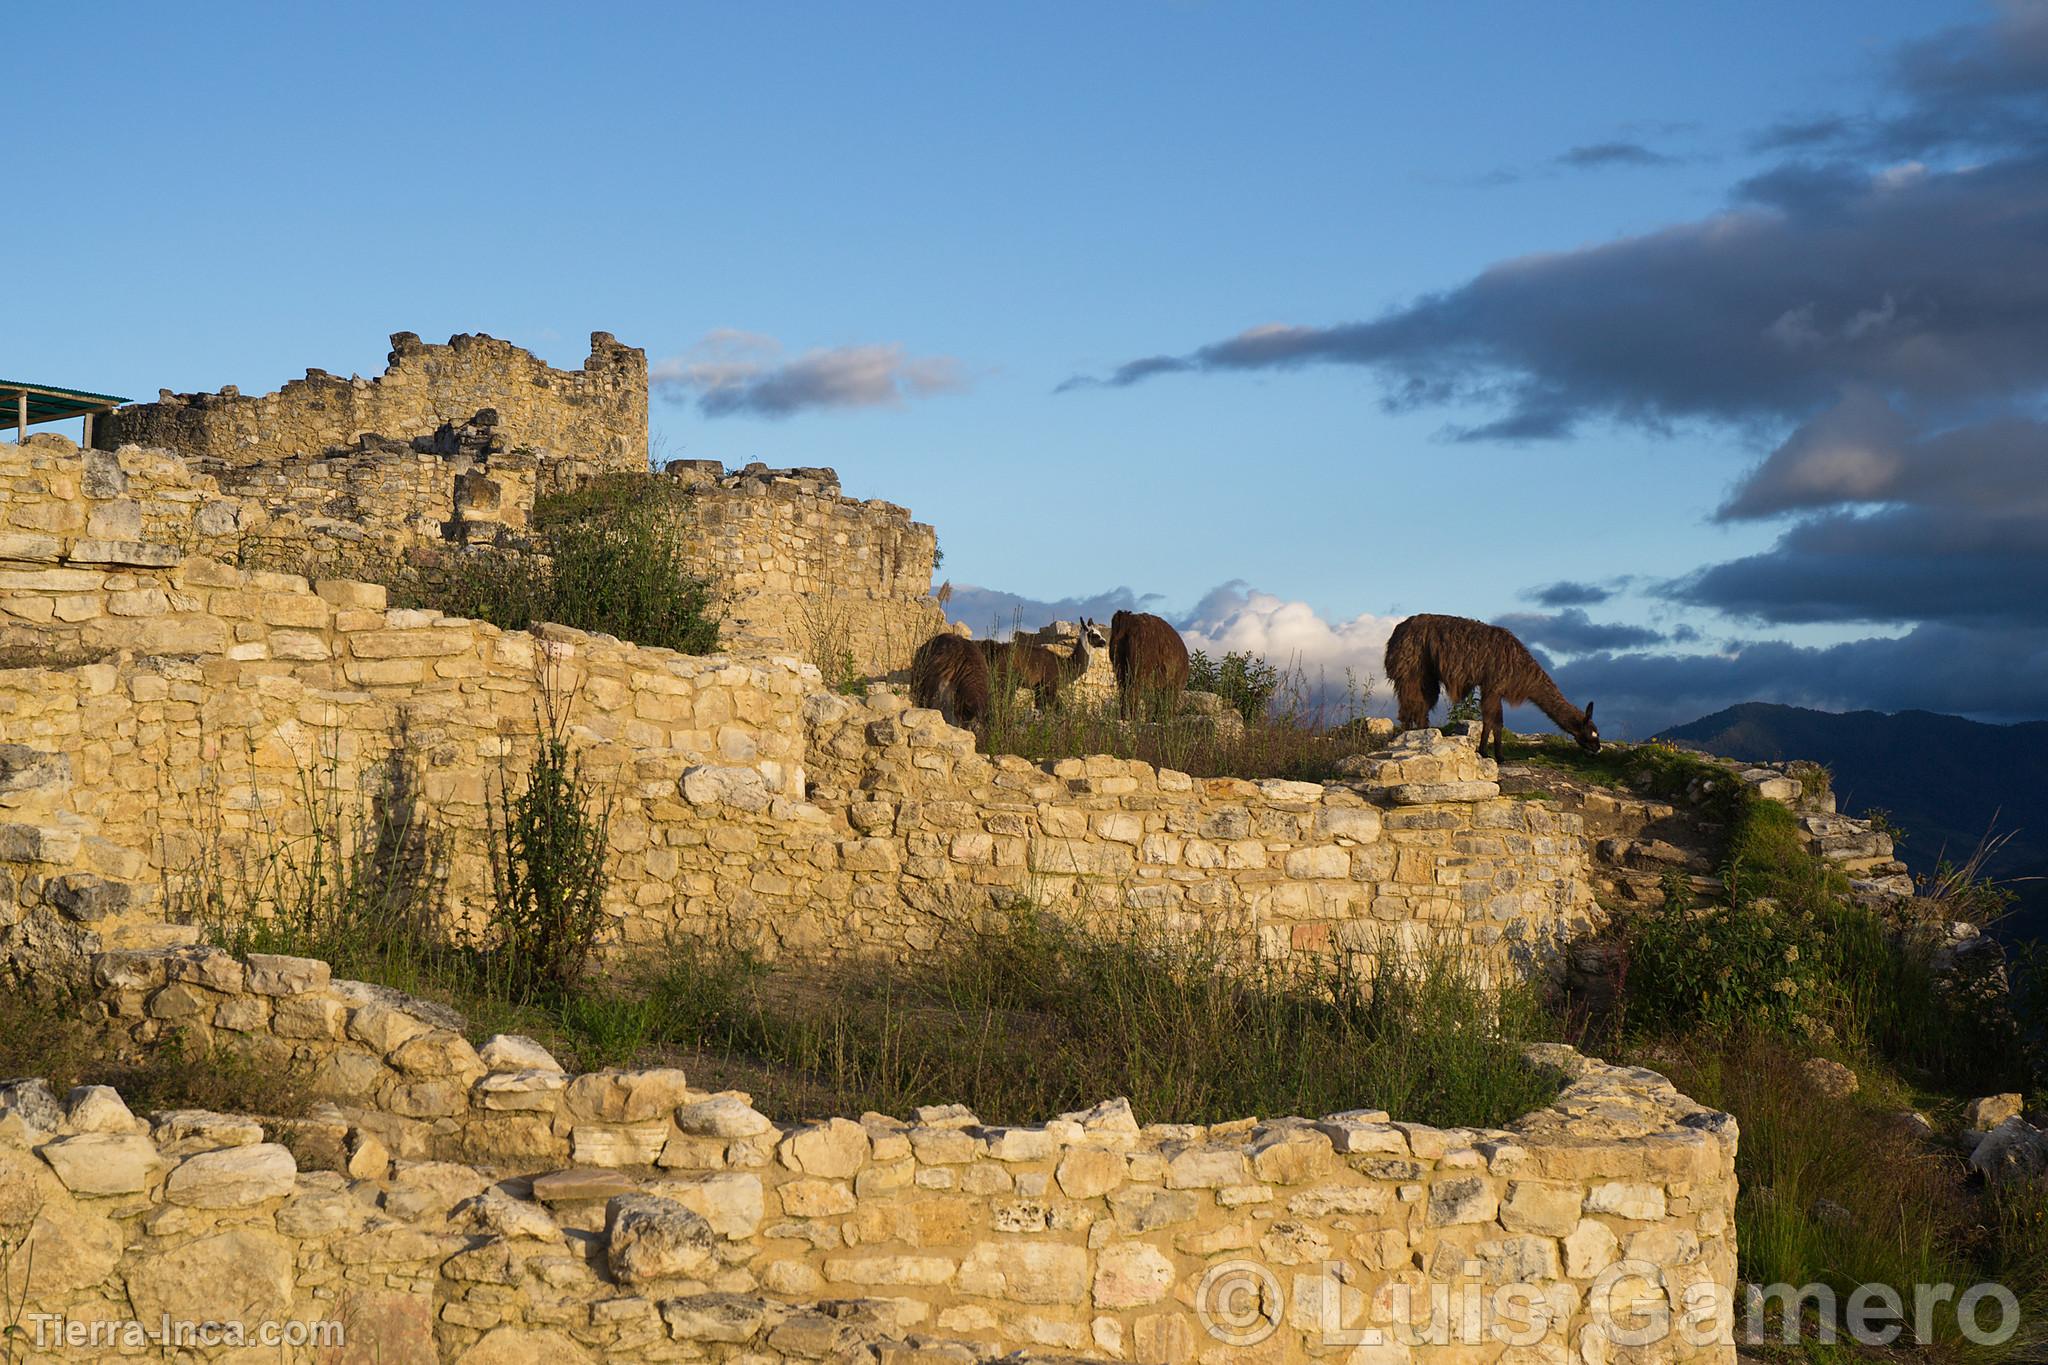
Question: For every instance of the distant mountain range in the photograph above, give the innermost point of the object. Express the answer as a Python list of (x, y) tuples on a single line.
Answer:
[(1944, 780)]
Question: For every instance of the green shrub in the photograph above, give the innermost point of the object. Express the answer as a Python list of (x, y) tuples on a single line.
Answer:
[(610, 557), (1243, 679), (549, 845)]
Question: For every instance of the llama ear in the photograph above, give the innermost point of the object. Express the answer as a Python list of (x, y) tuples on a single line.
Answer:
[(1589, 710)]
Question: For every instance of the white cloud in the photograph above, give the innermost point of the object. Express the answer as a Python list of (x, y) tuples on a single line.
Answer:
[(1329, 655), (731, 372)]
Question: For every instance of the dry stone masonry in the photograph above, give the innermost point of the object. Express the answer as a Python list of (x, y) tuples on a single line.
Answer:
[(171, 716), (487, 1206), (597, 413), (178, 701)]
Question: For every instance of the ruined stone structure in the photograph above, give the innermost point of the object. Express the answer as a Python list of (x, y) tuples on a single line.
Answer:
[(170, 710), (801, 568), (174, 707), (623, 1214), (596, 416), (451, 446)]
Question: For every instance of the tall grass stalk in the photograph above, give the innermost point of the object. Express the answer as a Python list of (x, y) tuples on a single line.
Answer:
[(1034, 1015)]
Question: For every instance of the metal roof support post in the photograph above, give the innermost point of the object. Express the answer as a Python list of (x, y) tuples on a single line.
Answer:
[(21, 417)]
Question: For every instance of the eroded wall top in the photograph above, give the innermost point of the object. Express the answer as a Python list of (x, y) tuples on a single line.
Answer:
[(597, 413)]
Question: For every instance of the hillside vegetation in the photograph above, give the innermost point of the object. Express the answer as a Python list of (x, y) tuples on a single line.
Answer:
[(1943, 780)]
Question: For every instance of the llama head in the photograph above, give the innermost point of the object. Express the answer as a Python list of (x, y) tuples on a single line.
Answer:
[(1092, 634), (1588, 734)]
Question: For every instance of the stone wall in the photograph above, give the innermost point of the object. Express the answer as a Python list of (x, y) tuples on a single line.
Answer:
[(798, 568), (597, 414), (624, 1213), (805, 569), (171, 716)]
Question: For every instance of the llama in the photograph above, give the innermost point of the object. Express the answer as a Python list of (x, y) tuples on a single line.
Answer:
[(1014, 663), (1149, 657), (950, 675), (1457, 654)]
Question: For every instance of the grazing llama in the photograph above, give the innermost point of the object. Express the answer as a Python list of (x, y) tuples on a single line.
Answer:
[(1149, 657), (1015, 664), (950, 675), (1426, 653)]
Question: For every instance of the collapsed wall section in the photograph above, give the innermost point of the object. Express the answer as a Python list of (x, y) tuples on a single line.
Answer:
[(596, 416)]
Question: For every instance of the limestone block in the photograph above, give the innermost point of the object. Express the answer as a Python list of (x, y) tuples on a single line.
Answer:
[(98, 1109), (233, 1177), (627, 1096), (497, 1214), (185, 1132), (1029, 1273), (648, 1238), (1465, 1199), (516, 1052), (733, 1203), (833, 1149), (722, 1318), (722, 1116), (520, 1091), (1627, 1199), (1131, 1275), (277, 974), (579, 1186), (103, 1163), (623, 1144), (239, 1275)]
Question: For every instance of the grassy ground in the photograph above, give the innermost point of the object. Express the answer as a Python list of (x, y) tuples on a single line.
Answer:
[(51, 1040), (1030, 1018), (1299, 729), (1731, 999)]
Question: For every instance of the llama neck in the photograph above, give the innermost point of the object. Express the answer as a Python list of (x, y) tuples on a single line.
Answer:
[(1546, 698), (1075, 664)]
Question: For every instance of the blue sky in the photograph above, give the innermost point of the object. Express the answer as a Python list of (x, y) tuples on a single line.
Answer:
[(958, 209)]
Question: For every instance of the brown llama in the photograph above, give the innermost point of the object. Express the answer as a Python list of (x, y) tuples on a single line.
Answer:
[(1426, 653), (1150, 658), (949, 674), (1014, 663)]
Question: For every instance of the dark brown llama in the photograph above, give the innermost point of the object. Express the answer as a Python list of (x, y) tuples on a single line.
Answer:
[(950, 675), (1014, 663), (1454, 654), (1150, 658)]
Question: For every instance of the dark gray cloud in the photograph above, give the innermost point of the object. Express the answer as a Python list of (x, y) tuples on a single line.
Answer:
[(732, 373), (1571, 631), (1900, 565), (1995, 675), (992, 613), (1920, 283), (1566, 593), (1971, 88), (1598, 155), (1864, 451), (1799, 135), (1894, 523)]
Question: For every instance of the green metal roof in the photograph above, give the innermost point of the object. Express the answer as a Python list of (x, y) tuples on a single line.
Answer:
[(49, 404)]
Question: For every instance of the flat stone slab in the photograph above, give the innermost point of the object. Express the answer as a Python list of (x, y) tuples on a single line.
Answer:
[(1430, 793), (580, 1186)]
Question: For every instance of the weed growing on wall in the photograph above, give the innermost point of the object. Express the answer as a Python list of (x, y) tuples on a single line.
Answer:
[(550, 839), (608, 557)]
